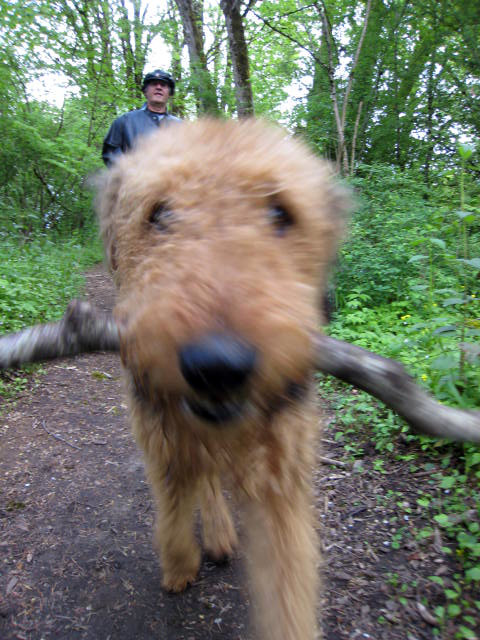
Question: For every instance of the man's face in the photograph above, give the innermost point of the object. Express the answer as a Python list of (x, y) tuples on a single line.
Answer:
[(157, 93)]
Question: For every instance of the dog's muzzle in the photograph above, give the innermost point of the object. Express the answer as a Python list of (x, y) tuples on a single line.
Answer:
[(217, 368)]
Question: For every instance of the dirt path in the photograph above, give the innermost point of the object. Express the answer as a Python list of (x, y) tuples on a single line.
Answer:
[(75, 529)]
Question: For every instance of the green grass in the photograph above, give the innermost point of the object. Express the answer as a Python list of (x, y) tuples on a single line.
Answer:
[(427, 338), (38, 279)]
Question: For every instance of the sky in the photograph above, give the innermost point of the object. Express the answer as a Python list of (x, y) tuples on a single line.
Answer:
[(53, 88)]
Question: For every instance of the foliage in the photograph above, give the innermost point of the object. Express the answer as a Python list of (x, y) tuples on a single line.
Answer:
[(387, 85), (396, 215), (428, 317), (390, 215), (39, 278), (399, 96)]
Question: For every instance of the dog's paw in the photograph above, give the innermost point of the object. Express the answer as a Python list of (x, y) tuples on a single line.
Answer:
[(174, 583), (222, 551), (218, 558), (181, 571), (219, 536)]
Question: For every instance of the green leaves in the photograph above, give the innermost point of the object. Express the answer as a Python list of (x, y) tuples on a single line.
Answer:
[(474, 262), (37, 280), (438, 242), (453, 301), (465, 216), (466, 150), (444, 363), (448, 482), (442, 520), (417, 258), (473, 573)]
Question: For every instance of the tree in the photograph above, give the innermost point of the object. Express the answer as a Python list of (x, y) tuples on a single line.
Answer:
[(191, 12), (135, 39), (239, 56)]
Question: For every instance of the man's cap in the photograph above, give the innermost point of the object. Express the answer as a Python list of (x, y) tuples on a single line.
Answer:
[(158, 74)]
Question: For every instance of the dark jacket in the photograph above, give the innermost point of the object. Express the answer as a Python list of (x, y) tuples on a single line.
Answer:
[(127, 128)]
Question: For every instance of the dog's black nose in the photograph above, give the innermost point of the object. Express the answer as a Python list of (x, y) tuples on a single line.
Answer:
[(217, 363)]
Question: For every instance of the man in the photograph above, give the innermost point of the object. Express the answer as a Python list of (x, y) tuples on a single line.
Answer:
[(157, 87)]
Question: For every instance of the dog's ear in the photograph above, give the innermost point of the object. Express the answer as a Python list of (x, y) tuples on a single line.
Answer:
[(107, 186), (342, 202), (339, 206), (338, 203)]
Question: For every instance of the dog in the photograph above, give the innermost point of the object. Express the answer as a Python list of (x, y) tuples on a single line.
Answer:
[(219, 236)]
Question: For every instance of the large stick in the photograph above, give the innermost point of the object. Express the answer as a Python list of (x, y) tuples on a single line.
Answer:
[(388, 381), (85, 328)]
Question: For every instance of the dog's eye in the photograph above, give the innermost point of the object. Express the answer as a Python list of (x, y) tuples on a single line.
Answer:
[(281, 219), (161, 217)]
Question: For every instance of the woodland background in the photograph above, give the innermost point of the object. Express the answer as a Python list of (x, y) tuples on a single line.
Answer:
[(387, 89)]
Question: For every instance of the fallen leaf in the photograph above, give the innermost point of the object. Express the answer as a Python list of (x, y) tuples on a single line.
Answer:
[(11, 585), (426, 615)]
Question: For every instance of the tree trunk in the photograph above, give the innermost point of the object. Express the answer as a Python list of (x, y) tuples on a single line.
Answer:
[(135, 40), (174, 40), (342, 160), (191, 14), (239, 56)]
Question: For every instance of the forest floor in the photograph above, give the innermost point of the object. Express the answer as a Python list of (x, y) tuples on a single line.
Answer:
[(76, 560)]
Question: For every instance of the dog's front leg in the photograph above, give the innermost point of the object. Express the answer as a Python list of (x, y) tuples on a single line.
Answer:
[(219, 536), (174, 537), (282, 558)]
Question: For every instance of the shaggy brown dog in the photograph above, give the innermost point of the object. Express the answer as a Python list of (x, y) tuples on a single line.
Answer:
[(219, 235)]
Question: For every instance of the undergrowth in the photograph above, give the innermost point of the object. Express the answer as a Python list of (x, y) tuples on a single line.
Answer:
[(452, 504), (37, 280), (422, 309)]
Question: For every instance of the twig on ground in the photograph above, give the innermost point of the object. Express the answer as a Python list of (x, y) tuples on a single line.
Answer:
[(74, 446), (336, 463)]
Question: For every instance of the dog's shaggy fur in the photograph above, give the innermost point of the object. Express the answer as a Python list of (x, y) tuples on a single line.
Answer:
[(219, 235)]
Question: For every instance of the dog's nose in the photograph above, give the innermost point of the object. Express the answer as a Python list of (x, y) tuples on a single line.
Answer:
[(217, 363)]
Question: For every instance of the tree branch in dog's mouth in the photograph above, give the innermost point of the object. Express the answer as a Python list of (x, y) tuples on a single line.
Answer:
[(84, 328)]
